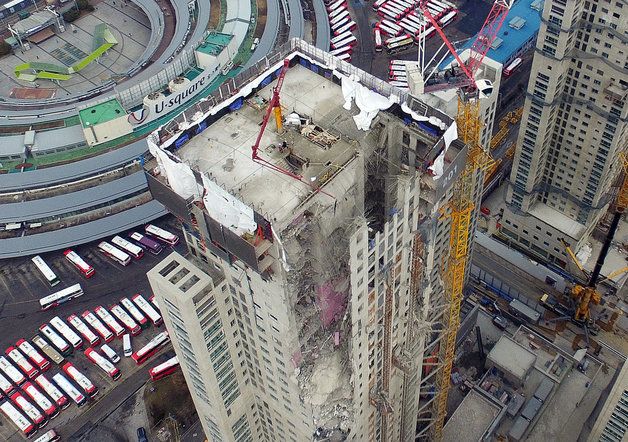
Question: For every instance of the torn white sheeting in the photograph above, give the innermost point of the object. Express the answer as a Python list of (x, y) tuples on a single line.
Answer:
[(432, 120), (227, 209), (368, 101), (179, 175), (439, 163), (584, 253), (294, 119), (451, 134)]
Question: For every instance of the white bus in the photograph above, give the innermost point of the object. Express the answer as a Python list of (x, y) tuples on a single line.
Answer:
[(48, 436), (127, 320), (335, 5), (161, 234), (399, 43), (17, 357), (103, 331), (33, 355), (427, 32), (61, 296), (399, 84), (18, 419), (153, 346), (6, 386), (52, 391), (349, 41), (340, 37), (134, 312), (164, 369), (392, 25), (448, 18), (30, 410), (134, 250), (348, 27), (79, 262), (512, 66), (340, 24), (12, 373), (341, 16), (148, 310), (378, 40), (377, 4), (337, 11), (114, 253), (82, 380), (57, 341), (41, 265), (109, 320), (388, 30), (410, 28), (67, 333), (43, 345), (345, 57), (103, 363), (41, 400), (154, 301), (83, 329), (69, 389)]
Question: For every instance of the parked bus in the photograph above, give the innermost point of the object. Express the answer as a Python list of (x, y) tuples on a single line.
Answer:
[(12, 373), (154, 345), (512, 66), (388, 30), (41, 265), (399, 43), (41, 400), (448, 18), (19, 359), (153, 246), (6, 386), (345, 57), (57, 341), (161, 234), (83, 329), (82, 380), (109, 320), (52, 391), (97, 325), (340, 37), (148, 310), (135, 251), (127, 320), (29, 409), (48, 350), (340, 24), (134, 312), (103, 363), (335, 5), (61, 296), (388, 13), (67, 333), (349, 41), (348, 27), (378, 40), (392, 25), (427, 33), (153, 301), (165, 368), (410, 28), (48, 436), (399, 84), (69, 389), (42, 363), (114, 253), (377, 4), (337, 11), (341, 16), (80, 263), (18, 419)]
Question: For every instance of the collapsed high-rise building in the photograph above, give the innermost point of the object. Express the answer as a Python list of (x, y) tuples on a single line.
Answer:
[(311, 303)]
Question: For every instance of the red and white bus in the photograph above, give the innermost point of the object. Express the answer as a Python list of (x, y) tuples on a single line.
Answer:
[(148, 310), (410, 28), (29, 409), (337, 4), (33, 355), (69, 389), (337, 11), (50, 352), (392, 25), (447, 18), (390, 12), (161, 234), (18, 419), (153, 246), (6, 386), (103, 331), (135, 251), (399, 84), (345, 57), (12, 373), (341, 16), (378, 40), (427, 32), (109, 320), (83, 329), (61, 296), (165, 368), (340, 37), (340, 51), (52, 391), (48, 436), (377, 4), (79, 262), (387, 30), (67, 333), (349, 41), (103, 363), (55, 340), (512, 66), (114, 253), (154, 345), (41, 400), (124, 317), (134, 312), (340, 24), (82, 380), (45, 270), (348, 27), (153, 301), (17, 357)]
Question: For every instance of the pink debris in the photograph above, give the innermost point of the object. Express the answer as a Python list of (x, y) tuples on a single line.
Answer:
[(337, 339)]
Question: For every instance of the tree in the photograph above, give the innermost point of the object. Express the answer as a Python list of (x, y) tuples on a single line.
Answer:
[(71, 15), (5, 48), (84, 5)]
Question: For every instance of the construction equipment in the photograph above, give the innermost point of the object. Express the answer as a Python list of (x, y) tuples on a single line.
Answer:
[(461, 205)]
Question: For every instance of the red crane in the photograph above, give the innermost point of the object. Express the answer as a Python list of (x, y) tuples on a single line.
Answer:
[(274, 103)]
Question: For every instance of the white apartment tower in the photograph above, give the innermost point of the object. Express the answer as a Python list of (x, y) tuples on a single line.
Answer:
[(309, 302), (573, 127)]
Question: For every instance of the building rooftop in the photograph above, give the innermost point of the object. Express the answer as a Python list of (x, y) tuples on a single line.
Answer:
[(511, 356), (475, 415), (214, 43), (101, 113), (557, 219)]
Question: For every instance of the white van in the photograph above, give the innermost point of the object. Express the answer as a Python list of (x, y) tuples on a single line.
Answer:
[(111, 354), (126, 345)]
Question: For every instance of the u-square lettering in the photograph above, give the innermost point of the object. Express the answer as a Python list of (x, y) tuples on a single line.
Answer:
[(180, 97)]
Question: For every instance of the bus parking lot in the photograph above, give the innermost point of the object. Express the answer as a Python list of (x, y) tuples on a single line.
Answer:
[(21, 288)]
